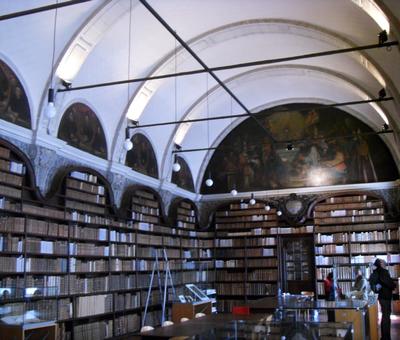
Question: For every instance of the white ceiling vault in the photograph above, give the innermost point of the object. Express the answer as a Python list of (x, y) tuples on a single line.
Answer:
[(92, 46)]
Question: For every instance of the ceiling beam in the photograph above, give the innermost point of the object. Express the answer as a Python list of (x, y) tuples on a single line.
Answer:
[(204, 65), (41, 9), (233, 66), (316, 107)]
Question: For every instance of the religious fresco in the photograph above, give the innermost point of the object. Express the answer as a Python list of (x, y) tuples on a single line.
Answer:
[(183, 178), (81, 128), (14, 106), (304, 145), (142, 157)]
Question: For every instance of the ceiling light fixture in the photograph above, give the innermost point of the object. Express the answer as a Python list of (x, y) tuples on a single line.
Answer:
[(234, 192), (267, 208), (252, 200), (382, 37), (279, 213)]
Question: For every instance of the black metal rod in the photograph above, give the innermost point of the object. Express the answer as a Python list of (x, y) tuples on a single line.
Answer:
[(293, 142), (319, 108), (41, 9), (232, 66), (203, 64)]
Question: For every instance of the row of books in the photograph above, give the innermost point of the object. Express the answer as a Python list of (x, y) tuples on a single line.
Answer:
[(349, 228), (251, 263), (8, 192), (83, 176), (126, 301), (126, 324), (86, 207), (332, 238), (230, 289), (197, 276), (85, 196), (91, 266), (196, 243), (83, 186), (261, 289), (262, 275), (348, 212), (248, 218), (93, 304), (186, 225), (186, 218), (373, 247), (332, 249), (145, 201), (95, 234), (102, 329), (349, 219), (21, 264), (327, 207), (12, 166), (245, 225), (12, 179)]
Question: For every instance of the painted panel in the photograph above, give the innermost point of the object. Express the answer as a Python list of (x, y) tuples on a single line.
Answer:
[(183, 178), (14, 106), (305, 145), (142, 157), (81, 128)]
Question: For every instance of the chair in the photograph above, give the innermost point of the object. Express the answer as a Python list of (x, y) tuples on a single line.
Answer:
[(241, 310)]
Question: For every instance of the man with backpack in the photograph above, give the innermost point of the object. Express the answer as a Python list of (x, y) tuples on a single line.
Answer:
[(382, 284)]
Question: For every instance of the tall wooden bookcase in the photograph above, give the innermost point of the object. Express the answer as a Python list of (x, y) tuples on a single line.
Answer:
[(350, 232), (246, 259)]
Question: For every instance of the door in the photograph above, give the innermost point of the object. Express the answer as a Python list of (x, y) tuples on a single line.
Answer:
[(297, 265)]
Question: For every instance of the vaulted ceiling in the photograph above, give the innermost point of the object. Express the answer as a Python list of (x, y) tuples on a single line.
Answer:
[(110, 40)]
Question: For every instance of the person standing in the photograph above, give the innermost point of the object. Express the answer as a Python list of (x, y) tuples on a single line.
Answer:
[(382, 283), (360, 287)]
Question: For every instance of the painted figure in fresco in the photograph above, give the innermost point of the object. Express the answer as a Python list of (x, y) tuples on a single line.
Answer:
[(80, 128), (334, 164), (324, 153), (13, 102), (141, 158)]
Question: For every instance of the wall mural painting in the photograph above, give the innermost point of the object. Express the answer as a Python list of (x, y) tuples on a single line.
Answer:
[(142, 157), (329, 147), (183, 178), (14, 106), (81, 128)]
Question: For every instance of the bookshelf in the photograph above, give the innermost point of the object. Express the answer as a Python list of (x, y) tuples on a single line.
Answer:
[(197, 247), (350, 232), (152, 237), (246, 258)]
